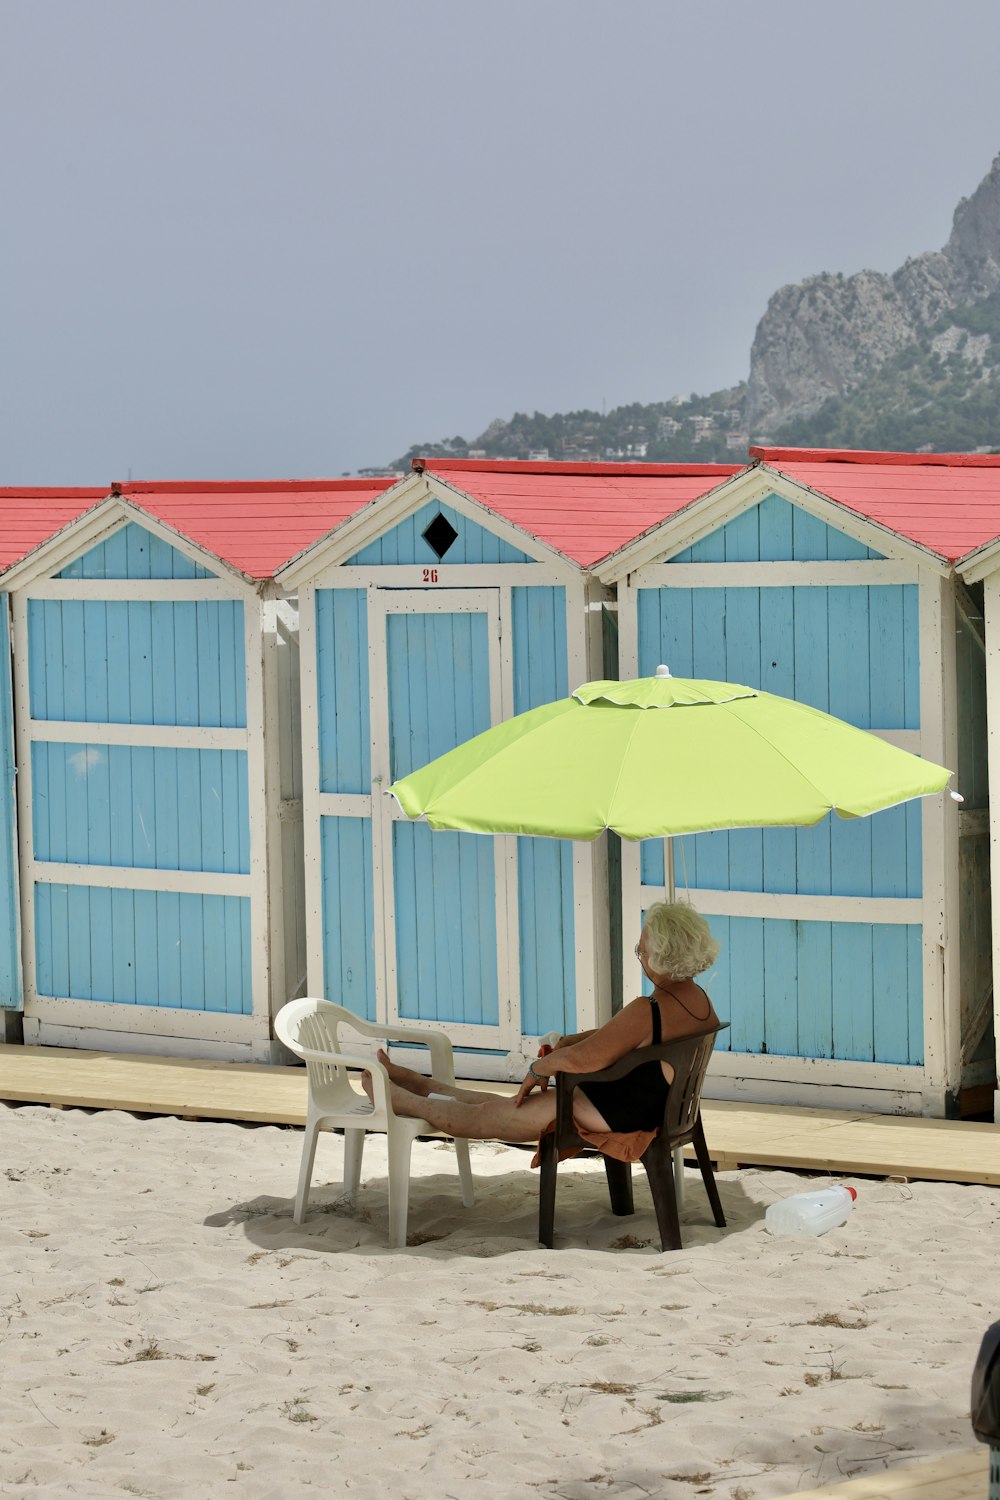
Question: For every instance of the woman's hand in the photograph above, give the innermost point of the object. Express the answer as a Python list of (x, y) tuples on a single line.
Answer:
[(529, 1084)]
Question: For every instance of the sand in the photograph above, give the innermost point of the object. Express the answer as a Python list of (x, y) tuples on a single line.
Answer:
[(167, 1331)]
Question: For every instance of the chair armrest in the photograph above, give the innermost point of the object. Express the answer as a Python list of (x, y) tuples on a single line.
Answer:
[(437, 1043)]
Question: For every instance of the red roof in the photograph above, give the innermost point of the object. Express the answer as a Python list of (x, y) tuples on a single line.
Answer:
[(253, 526), (946, 502), (584, 511), (29, 517)]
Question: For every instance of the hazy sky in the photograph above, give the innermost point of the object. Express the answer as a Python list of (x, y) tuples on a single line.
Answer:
[(276, 238)]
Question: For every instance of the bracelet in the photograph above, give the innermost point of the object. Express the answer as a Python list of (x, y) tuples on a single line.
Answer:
[(538, 1077)]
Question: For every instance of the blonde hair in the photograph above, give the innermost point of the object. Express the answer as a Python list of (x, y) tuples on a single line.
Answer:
[(679, 942)]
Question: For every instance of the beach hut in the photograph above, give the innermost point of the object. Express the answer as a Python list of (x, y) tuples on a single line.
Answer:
[(155, 719), (27, 517), (856, 963), (463, 595)]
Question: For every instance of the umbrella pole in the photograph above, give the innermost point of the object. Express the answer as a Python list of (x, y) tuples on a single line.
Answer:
[(668, 869)]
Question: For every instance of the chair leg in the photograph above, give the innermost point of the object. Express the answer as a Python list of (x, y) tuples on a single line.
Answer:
[(305, 1169), (465, 1174), (619, 1175), (679, 1176), (400, 1143), (705, 1163), (354, 1145), (660, 1171), (547, 1190)]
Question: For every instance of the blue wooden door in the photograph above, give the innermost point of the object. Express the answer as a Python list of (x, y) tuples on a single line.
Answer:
[(442, 934)]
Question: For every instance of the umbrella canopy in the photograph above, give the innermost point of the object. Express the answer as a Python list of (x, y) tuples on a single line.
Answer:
[(661, 756)]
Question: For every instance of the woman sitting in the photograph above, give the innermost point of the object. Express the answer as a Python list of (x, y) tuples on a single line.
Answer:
[(619, 1118)]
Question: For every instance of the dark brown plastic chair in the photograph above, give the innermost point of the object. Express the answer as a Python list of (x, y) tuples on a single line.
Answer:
[(688, 1056)]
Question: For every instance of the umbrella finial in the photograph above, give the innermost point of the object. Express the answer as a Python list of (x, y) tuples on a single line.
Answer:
[(662, 671)]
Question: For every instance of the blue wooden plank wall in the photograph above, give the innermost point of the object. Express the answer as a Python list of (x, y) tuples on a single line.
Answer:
[(444, 883), (133, 552), (128, 661), (775, 531), (847, 990), (110, 661), (851, 651), (405, 543), (345, 766), (157, 948), (545, 866), (10, 963), (141, 807)]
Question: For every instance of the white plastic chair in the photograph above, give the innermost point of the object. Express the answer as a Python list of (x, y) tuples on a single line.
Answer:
[(310, 1029)]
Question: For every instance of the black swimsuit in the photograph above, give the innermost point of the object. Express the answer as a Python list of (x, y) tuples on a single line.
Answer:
[(637, 1101)]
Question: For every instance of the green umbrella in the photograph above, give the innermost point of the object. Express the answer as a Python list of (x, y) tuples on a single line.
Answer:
[(661, 756)]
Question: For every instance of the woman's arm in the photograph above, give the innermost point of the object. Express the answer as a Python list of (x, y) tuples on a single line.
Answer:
[(570, 1041), (630, 1028)]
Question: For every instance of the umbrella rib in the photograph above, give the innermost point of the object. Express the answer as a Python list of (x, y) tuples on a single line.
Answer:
[(621, 771)]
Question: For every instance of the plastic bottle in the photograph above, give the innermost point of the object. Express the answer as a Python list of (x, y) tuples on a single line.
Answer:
[(810, 1213)]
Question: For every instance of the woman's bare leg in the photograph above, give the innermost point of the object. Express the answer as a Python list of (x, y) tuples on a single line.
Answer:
[(418, 1083), (491, 1117)]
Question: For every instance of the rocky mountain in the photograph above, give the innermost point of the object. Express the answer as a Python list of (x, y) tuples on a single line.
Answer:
[(908, 360), (822, 337)]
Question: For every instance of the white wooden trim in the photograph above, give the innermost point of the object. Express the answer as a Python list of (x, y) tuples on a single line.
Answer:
[(765, 575), (153, 1019), (631, 876), (260, 953), (818, 1070), (383, 894), (156, 736), (173, 590), (129, 878), (470, 1034), (391, 507), (431, 601), (312, 846), (344, 804), (903, 739), (453, 575), (878, 910), (274, 806), (505, 862), (11, 795), (136, 1043), (979, 563), (591, 934), (23, 778), (940, 991), (708, 512)]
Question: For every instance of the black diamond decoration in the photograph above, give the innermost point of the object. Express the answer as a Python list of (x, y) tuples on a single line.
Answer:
[(440, 535)]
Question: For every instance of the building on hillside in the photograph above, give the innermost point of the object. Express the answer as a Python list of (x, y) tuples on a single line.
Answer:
[(856, 956)]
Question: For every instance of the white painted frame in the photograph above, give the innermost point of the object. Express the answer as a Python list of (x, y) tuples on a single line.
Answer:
[(50, 1018), (386, 811), (644, 563)]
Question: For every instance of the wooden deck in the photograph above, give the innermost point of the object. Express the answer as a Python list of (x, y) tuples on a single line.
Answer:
[(959, 1476), (738, 1134)]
